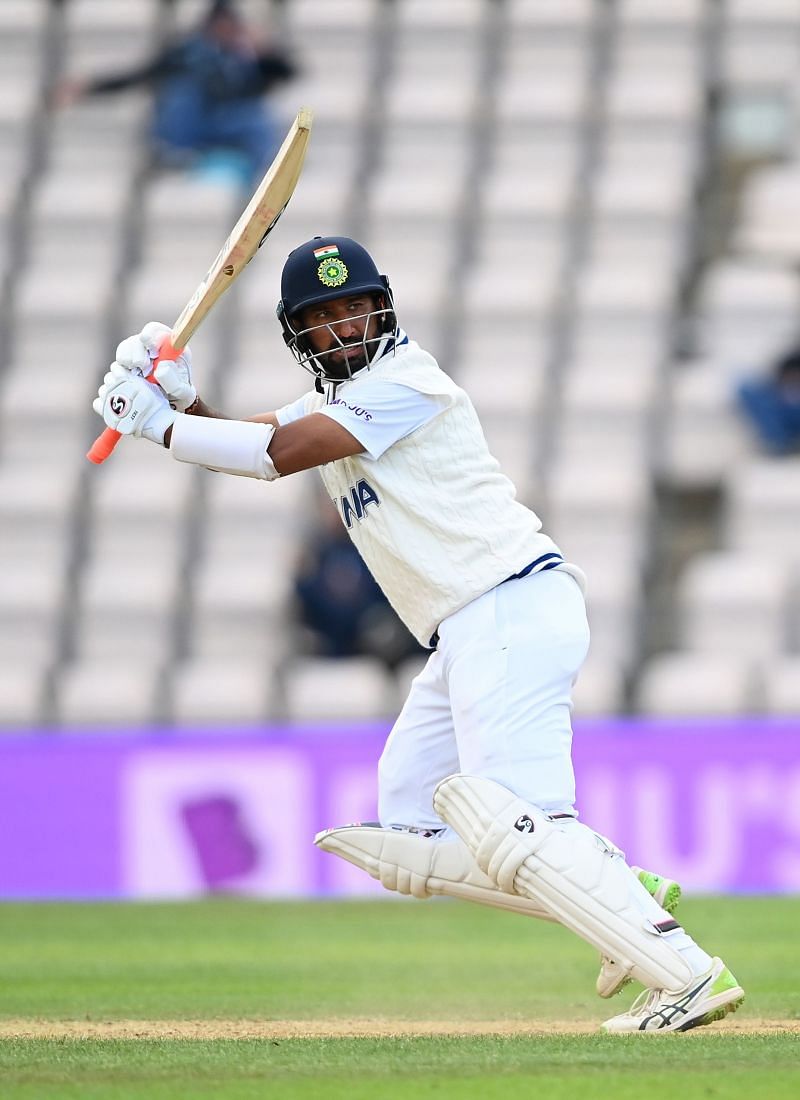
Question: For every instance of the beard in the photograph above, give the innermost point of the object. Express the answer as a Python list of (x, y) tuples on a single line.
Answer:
[(339, 366)]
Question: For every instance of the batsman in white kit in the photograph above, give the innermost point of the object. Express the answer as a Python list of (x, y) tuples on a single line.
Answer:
[(476, 791)]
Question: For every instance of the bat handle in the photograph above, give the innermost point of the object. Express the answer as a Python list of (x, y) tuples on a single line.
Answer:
[(166, 351), (103, 446), (108, 439)]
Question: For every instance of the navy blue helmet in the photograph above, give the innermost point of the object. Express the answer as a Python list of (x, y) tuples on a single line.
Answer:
[(321, 270)]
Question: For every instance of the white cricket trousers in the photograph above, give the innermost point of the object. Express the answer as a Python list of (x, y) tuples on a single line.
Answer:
[(494, 700)]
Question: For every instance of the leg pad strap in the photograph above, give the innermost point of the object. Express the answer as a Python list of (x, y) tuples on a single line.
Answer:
[(567, 869), (420, 863)]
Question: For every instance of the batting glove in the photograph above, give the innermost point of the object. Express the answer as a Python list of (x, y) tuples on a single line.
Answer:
[(175, 377), (132, 406)]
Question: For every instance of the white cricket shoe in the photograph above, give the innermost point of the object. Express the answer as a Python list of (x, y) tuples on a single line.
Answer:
[(708, 997), (666, 891)]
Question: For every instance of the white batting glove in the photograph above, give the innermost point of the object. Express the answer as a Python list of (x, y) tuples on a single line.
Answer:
[(132, 406), (175, 378)]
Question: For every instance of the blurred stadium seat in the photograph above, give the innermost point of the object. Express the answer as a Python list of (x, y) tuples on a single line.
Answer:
[(95, 693), (698, 684), (223, 691), (347, 689), (735, 603)]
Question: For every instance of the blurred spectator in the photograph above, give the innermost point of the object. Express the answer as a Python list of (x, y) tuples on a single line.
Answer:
[(340, 609), (772, 405), (209, 88)]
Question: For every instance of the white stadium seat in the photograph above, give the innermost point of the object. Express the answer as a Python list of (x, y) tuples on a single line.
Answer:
[(747, 314), (23, 688), (698, 684), (567, 15), (109, 695), (781, 677), (761, 510), (222, 691), (769, 223), (704, 435), (600, 687), (734, 603), (347, 17), (352, 688), (597, 504), (661, 14)]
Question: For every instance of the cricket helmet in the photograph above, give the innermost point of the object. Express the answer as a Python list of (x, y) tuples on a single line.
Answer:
[(321, 270)]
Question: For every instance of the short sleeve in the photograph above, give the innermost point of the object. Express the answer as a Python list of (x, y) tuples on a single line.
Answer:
[(380, 413), (286, 414)]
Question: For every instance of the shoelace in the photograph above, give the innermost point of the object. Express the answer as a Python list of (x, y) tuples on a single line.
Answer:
[(646, 1000)]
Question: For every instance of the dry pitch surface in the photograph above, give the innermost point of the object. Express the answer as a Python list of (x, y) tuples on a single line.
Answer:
[(232, 1000), (340, 1029)]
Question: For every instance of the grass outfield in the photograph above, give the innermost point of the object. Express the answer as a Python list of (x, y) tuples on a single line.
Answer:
[(230, 999)]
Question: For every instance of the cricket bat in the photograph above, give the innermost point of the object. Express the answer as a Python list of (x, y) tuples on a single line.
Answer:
[(252, 229)]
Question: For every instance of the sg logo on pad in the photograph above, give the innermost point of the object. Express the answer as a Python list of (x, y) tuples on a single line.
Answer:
[(524, 824)]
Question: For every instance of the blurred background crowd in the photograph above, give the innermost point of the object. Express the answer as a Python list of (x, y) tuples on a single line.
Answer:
[(589, 210)]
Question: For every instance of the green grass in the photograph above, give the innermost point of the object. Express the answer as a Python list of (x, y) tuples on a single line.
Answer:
[(233, 959), (589, 1067)]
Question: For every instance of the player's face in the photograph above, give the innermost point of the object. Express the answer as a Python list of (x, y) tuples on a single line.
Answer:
[(342, 333)]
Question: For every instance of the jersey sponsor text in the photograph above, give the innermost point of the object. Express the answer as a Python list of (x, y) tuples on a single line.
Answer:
[(354, 505)]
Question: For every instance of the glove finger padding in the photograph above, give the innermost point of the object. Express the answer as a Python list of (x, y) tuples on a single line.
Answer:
[(174, 376), (133, 354), (152, 337), (175, 380), (118, 372)]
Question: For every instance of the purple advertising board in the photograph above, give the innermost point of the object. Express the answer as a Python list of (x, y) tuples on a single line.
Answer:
[(714, 803)]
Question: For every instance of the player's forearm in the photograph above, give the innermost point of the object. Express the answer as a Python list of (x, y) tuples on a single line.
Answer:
[(200, 408), (264, 418), (239, 448), (309, 442)]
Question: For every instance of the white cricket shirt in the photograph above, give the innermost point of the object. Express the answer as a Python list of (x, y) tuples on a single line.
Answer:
[(426, 504)]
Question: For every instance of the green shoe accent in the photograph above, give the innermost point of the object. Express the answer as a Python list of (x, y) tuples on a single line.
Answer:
[(725, 981), (707, 998), (666, 891), (714, 1015), (672, 895)]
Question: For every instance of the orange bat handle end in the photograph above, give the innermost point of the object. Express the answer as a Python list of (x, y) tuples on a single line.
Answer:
[(103, 446), (167, 350), (107, 440)]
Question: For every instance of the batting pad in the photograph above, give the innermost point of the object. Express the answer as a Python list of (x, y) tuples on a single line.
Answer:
[(567, 869), (422, 864)]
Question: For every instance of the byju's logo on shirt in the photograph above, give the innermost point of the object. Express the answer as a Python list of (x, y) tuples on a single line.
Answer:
[(358, 410), (354, 506)]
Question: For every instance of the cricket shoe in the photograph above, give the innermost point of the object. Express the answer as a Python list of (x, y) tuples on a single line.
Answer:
[(612, 977), (708, 997)]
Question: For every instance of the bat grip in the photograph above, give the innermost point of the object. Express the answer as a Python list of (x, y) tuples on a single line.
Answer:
[(103, 446), (109, 438), (167, 351)]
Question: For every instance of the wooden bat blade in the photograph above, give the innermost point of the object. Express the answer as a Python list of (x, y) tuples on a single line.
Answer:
[(257, 221), (259, 218)]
